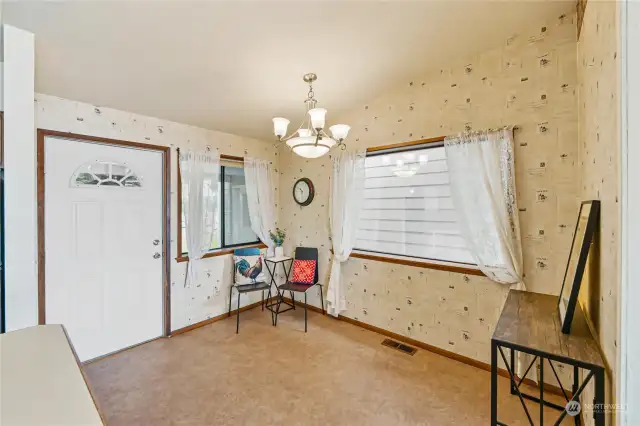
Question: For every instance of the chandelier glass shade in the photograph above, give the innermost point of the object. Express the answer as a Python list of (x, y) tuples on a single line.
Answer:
[(310, 139), (408, 166)]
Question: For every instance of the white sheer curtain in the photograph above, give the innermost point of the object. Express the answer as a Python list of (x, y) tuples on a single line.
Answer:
[(200, 176), (258, 175), (483, 189), (347, 186)]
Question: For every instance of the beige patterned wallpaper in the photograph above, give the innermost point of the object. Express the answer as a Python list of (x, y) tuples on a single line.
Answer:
[(529, 81), (209, 296), (599, 159)]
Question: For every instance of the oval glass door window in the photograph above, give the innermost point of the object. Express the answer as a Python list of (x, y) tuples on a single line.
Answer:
[(105, 173)]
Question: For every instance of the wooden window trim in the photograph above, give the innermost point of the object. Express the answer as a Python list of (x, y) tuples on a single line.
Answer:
[(231, 158), (222, 252), (419, 263), (216, 252), (427, 141)]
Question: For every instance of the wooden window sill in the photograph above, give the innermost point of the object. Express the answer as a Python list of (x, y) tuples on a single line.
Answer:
[(419, 263), (221, 252)]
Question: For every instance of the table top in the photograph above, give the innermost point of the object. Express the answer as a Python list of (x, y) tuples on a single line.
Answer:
[(277, 259), (42, 383), (531, 320)]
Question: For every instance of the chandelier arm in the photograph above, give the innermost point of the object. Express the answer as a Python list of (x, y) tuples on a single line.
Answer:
[(286, 138), (323, 133), (340, 144), (278, 143)]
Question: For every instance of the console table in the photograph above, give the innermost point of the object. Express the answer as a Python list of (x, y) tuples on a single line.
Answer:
[(530, 323)]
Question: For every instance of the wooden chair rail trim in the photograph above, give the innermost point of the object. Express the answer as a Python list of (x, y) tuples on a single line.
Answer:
[(221, 252), (443, 352), (418, 263), (406, 144)]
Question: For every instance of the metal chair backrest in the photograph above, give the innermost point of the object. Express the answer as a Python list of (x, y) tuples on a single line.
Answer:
[(308, 253)]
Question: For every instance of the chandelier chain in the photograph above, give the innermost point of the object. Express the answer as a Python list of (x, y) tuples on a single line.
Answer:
[(311, 94)]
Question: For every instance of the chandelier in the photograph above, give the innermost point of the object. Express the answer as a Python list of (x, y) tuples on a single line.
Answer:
[(310, 140)]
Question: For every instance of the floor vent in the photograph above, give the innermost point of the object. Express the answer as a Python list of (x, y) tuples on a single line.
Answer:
[(409, 350)]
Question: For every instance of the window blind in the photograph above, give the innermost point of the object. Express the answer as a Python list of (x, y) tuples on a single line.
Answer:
[(410, 215)]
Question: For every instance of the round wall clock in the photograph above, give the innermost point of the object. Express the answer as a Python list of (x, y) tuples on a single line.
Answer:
[(303, 192)]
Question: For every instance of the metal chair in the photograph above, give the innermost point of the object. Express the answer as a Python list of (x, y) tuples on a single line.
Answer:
[(301, 253), (246, 288)]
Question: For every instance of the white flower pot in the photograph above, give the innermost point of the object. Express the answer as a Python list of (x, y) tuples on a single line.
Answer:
[(279, 251)]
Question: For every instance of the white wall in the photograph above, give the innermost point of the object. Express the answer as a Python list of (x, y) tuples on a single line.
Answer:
[(1, 85), (21, 294), (629, 370)]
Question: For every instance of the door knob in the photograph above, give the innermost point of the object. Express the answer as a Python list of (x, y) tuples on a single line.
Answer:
[(156, 255)]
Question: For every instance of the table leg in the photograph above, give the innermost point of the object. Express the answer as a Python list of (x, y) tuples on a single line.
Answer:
[(494, 383), (273, 280), (238, 316), (599, 398), (285, 270), (279, 297), (574, 389), (513, 364), (541, 383)]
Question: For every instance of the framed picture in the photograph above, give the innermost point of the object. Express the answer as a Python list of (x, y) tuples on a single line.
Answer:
[(582, 238)]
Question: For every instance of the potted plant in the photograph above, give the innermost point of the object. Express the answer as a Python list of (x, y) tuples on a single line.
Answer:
[(278, 239)]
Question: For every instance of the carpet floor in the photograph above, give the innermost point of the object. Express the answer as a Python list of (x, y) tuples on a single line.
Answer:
[(336, 374)]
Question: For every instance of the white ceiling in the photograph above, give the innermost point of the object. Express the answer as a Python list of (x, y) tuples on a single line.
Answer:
[(233, 65)]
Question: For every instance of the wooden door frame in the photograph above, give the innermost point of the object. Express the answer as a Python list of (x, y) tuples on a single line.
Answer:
[(166, 217)]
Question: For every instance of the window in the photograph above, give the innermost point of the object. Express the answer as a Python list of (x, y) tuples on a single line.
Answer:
[(407, 209), (232, 225), (105, 173), (236, 223)]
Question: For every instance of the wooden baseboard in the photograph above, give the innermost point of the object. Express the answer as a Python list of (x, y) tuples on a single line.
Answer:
[(217, 318), (443, 352)]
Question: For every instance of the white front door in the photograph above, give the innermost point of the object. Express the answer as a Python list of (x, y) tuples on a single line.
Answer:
[(103, 244)]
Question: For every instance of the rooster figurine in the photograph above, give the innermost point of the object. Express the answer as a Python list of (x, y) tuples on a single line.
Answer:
[(249, 271)]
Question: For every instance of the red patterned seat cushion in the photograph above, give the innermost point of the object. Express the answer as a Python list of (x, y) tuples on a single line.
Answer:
[(304, 271)]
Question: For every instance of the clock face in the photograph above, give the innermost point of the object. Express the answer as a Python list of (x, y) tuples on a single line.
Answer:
[(303, 192)]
